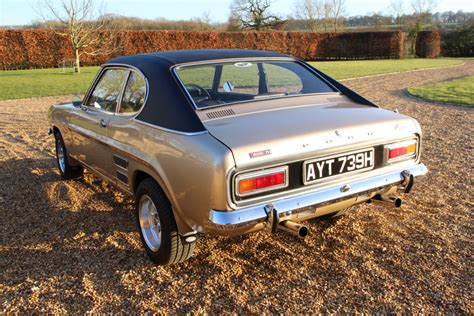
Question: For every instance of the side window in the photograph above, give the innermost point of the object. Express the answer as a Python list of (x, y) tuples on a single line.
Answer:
[(134, 95), (107, 91), (282, 80)]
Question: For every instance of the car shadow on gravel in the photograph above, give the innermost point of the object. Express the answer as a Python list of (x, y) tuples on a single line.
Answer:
[(53, 229), (74, 243), (76, 236)]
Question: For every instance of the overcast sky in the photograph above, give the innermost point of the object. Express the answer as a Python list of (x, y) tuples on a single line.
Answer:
[(20, 12)]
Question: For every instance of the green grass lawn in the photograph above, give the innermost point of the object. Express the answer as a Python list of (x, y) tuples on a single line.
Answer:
[(360, 68), (19, 84), (459, 91)]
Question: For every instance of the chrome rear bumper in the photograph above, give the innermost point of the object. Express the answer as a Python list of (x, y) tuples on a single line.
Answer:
[(229, 220)]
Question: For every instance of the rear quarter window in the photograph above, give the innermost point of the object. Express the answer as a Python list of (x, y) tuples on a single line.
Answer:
[(134, 94)]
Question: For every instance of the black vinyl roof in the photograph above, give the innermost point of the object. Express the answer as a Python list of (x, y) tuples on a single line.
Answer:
[(167, 103), (186, 56)]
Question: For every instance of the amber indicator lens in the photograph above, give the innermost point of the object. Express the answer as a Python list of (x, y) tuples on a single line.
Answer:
[(262, 182)]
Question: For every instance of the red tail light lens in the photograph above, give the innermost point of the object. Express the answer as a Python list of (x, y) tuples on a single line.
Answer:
[(400, 150), (262, 181)]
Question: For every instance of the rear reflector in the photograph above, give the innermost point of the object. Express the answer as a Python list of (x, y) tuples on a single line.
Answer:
[(262, 181), (400, 150)]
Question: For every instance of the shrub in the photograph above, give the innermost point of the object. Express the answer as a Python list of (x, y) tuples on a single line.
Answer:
[(459, 43), (428, 44)]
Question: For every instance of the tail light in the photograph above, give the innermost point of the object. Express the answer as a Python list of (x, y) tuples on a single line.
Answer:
[(261, 181), (400, 151)]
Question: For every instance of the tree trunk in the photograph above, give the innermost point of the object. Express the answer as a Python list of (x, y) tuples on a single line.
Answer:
[(77, 64)]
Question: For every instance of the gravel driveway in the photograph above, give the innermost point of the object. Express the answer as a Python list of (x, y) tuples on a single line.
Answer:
[(73, 246)]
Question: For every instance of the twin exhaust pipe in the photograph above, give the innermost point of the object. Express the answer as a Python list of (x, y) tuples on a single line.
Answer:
[(302, 231), (291, 227), (381, 199), (294, 228)]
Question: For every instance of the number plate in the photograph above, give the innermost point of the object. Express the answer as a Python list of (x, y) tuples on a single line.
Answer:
[(327, 167)]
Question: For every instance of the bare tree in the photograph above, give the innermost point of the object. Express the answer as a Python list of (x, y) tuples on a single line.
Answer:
[(421, 8), (327, 12), (338, 9), (80, 21), (254, 14), (311, 12), (396, 7)]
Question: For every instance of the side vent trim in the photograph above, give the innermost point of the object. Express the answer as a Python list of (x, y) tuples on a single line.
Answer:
[(122, 177), (121, 162), (220, 113)]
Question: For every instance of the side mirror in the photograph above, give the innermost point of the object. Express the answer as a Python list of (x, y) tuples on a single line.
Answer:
[(76, 100), (228, 86)]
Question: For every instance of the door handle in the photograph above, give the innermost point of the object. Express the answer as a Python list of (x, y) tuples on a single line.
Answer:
[(103, 123)]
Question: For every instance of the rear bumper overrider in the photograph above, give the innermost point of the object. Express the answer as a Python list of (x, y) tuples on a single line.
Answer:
[(285, 207)]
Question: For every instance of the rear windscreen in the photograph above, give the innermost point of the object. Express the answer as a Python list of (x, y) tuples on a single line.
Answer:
[(244, 81)]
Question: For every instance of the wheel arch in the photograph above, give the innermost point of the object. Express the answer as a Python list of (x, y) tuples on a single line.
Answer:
[(140, 174)]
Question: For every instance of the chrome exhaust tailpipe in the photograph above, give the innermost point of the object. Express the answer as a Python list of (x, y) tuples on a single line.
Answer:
[(394, 201), (294, 228)]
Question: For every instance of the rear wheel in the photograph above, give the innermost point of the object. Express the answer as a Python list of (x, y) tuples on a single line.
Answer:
[(157, 226), (65, 169)]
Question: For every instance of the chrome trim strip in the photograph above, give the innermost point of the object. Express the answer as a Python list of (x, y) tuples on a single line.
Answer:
[(231, 60), (256, 214), (170, 130), (122, 91), (233, 203)]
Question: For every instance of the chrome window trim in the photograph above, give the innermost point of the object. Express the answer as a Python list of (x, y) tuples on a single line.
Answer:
[(253, 174), (170, 130), (94, 85), (130, 68), (176, 67), (122, 91)]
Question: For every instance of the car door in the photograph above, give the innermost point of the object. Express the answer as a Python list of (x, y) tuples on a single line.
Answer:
[(90, 143), (122, 131)]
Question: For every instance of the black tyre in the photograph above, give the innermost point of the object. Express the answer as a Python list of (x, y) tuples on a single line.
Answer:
[(157, 226), (65, 169)]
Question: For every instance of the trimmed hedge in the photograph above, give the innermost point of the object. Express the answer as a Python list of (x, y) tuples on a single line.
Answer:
[(428, 44), (21, 49)]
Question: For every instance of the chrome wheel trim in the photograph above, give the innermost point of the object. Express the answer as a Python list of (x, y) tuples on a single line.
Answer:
[(150, 224), (61, 157)]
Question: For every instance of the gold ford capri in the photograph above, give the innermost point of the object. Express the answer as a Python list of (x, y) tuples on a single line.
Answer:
[(230, 142)]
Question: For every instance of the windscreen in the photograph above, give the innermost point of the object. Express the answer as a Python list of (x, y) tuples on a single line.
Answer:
[(217, 84)]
